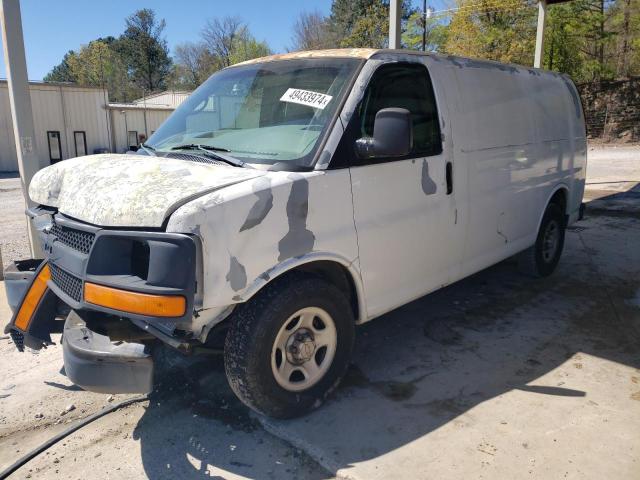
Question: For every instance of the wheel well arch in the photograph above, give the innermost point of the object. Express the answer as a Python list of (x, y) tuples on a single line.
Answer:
[(560, 196), (334, 269), (334, 273)]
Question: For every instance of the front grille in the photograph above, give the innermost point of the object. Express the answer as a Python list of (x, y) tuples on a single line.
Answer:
[(76, 239), (69, 284), (18, 339)]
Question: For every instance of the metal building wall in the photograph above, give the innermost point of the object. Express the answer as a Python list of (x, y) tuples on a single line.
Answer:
[(169, 98), (59, 108), (134, 122), (8, 158)]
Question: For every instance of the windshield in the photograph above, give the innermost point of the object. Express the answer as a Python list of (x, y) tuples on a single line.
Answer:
[(263, 113)]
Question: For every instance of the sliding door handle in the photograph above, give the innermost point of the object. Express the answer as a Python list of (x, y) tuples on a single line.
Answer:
[(449, 174)]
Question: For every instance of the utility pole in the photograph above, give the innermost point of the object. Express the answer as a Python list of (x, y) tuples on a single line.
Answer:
[(20, 101), (539, 53), (424, 25), (395, 14)]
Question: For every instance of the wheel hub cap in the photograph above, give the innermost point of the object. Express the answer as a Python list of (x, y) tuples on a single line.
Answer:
[(303, 349), (300, 347)]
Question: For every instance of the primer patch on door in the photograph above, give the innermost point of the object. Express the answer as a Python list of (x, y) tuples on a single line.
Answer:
[(306, 97)]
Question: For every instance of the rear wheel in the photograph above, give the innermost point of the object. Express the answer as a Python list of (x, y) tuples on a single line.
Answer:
[(288, 347), (542, 258)]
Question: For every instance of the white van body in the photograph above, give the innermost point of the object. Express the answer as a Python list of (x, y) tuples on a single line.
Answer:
[(513, 137)]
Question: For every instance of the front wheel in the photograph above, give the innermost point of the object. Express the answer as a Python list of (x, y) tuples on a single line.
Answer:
[(288, 347), (542, 258)]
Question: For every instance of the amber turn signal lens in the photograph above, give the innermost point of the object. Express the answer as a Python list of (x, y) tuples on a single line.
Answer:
[(32, 299), (134, 302)]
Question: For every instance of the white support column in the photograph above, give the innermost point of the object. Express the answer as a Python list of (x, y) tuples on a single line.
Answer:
[(542, 14), (395, 14), (20, 101)]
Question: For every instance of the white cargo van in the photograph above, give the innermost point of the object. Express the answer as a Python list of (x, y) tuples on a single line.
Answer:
[(291, 198)]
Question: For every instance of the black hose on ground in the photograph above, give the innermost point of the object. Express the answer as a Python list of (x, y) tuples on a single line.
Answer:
[(68, 431)]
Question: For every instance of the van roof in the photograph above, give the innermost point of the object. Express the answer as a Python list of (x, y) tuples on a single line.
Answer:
[(329, 53), (366, 53)]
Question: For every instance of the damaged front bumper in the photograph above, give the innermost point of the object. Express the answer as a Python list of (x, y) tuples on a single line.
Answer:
[(124, 291), (95, 363)]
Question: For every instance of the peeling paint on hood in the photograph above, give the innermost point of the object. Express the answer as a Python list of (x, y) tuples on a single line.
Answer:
[(114, 190)]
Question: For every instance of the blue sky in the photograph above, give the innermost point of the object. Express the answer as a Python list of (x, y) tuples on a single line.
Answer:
[(53, 28)]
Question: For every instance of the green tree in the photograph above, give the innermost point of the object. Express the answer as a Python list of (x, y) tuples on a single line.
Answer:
[(312, 31), (436, 33), (363, 23), (247, 47), (370, 30), (145, 50), (499, 30), (624, 50), (229, 41), (62, 71), (193, 64), (98, 64)]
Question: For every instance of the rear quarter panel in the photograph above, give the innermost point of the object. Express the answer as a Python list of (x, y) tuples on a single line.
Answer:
[(519, 134)]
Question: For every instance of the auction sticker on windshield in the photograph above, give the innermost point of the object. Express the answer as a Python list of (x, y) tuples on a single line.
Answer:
[(306, 97)]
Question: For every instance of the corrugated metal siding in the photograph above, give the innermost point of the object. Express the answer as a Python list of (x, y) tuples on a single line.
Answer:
[(59, 108), (68, 108), (8, 159), (135, 122), (168, 98)]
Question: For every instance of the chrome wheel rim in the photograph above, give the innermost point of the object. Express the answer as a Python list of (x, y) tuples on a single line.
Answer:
[(550, 241), (303, 349)]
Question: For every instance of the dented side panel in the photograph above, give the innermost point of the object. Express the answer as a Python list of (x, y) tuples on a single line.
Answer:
[(518, 133)]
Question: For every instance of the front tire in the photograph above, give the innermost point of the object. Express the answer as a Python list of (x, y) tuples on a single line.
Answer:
[(288, 347), (542, 258)]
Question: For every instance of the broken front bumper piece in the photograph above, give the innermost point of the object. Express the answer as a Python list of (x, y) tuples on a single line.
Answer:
[(95, 363), (120, 292), (91, 360)]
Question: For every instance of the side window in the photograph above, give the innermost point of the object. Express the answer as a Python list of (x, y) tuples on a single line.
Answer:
[(404, 85)]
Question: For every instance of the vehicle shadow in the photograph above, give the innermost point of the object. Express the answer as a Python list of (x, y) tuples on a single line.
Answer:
[(423, 365)]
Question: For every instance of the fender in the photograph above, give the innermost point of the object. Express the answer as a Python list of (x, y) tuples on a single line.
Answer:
[(560, 186), (294, 262)]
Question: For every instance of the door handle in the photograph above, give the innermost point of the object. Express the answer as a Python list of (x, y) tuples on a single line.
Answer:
[(449, 175)]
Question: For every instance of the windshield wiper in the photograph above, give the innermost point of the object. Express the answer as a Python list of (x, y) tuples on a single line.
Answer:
[(149, 149), (209, 150)]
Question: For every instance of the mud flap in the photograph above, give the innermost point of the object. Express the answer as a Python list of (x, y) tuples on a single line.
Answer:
[(35, 316)]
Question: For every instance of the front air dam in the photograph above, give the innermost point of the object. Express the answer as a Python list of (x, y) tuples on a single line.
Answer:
[(95, 363)]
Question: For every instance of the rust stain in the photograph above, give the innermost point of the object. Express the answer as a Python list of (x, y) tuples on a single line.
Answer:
[(364, 53), (636, 396)]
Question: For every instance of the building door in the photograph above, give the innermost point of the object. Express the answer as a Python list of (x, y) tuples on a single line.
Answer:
[(80, 140), (409, 239), (132, 139), (55, 148)]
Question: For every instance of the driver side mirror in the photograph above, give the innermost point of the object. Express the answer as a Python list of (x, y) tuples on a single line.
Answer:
[(392, 135)]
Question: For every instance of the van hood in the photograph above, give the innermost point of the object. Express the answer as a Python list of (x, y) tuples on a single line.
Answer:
[(114, 190)]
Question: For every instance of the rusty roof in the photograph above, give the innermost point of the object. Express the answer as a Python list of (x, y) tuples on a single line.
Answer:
[(334, 52)]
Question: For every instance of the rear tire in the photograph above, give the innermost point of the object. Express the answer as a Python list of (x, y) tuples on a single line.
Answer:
[(288, 347), (541, 259)]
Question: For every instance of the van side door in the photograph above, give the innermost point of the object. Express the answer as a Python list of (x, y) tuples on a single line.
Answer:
[(410, 242)]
